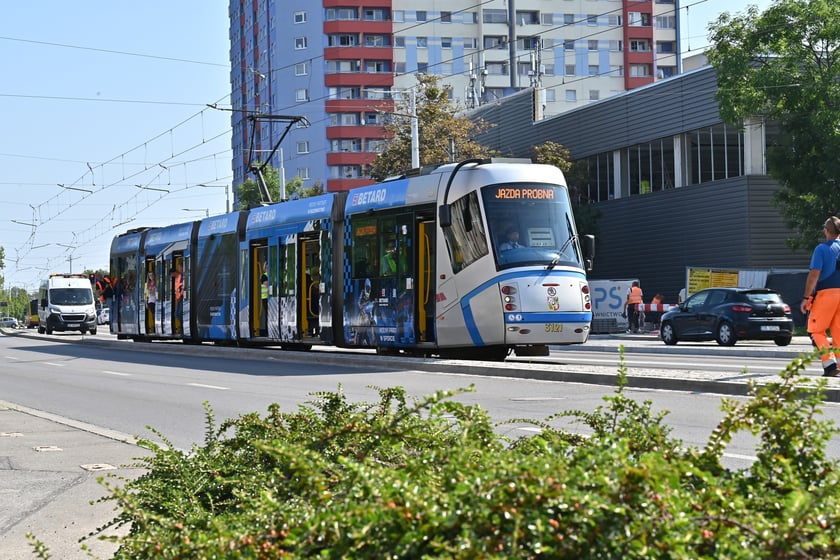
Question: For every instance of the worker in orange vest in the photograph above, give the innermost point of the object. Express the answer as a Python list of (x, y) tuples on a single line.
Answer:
[(631, 306)]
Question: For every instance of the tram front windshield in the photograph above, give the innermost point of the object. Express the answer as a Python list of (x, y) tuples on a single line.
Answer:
[(531, 224)]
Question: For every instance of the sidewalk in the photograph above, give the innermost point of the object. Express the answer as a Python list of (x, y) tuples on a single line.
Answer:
[(48, 476)]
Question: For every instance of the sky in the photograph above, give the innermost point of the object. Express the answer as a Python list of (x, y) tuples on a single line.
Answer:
[(106, 123)]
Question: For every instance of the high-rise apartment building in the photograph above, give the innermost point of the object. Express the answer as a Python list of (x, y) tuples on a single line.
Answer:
[(341, 64)]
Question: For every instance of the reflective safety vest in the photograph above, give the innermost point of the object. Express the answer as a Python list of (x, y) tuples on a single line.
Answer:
[(264, 288), (635, 295)]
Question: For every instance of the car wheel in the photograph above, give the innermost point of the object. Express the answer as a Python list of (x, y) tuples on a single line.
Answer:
[(782, 340), (726, 334), (667, 334), (93, 330), (40, 330), (49, 330)]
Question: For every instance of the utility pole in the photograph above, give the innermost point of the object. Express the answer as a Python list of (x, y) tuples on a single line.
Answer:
[(415, 132)]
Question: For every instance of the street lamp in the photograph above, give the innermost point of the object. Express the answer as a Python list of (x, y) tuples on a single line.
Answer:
[(227, 193)]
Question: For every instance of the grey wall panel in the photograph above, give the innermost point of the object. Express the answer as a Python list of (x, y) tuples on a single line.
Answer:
[(656, 111)]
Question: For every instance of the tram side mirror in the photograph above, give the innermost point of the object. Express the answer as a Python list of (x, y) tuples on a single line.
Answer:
[(445, 216), (588, 251)]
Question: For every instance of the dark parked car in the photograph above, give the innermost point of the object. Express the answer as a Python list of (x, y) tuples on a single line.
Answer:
[(728, 315)]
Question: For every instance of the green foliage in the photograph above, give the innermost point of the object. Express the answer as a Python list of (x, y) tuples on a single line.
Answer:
[(249, 196), (440, 131), (432, 478), (783, 65)]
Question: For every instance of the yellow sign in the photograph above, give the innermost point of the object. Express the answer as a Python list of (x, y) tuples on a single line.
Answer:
[(702, 278)]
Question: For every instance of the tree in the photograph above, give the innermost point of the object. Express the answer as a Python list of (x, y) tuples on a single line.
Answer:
[(782, 65), (553, 153), (249, 192), (443, 136)]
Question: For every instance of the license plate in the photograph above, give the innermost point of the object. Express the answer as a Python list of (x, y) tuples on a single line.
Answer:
[(553, 327), (73, 325), (769, 327)]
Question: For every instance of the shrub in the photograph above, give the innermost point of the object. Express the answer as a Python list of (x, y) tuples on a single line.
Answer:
[(433, 479)]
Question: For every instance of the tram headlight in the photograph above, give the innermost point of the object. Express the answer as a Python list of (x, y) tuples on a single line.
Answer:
[(508, 290)]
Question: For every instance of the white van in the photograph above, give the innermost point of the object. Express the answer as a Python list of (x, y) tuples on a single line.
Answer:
[(66, 303)]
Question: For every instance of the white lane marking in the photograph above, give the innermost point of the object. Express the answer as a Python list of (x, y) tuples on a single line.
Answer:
[(54, 364), (203, 386), (638, 362), (116, 373), (12, 358)]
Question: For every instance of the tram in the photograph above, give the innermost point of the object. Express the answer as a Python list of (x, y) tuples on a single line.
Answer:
[(418, 265)]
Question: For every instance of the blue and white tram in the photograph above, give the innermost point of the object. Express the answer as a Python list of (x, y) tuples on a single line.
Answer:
[(417, 265)]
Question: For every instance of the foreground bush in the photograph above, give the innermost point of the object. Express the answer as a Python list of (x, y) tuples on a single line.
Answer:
[(433, 479)]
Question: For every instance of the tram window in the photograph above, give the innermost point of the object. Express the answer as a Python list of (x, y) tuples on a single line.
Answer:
[(364, 248), (466, 239)]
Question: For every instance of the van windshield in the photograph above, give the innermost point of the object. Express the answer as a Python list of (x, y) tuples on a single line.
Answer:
[(71, 296)]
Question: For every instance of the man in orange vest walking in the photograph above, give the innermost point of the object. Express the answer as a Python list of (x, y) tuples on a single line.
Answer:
[(631, 306), (822, 296)]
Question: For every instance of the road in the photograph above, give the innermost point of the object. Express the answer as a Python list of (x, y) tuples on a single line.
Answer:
[(126, 386)]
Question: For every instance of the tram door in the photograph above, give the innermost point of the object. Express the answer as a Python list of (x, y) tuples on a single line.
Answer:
[(426, 281), (171, 290), (310, 293), (150, 295), (259, 288)]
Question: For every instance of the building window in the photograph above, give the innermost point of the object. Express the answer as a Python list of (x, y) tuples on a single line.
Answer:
[(547, 18), (592, 44), (301, 95), (446, 42), (569, 19), (666, 72), (300, 43), (637, 19), (399, 67), (301, 69), (470, 43), (496, 68), (469, 17), (377, 66), (423, 67), (343, 40), (569, 44), (303, 172), (303, 147), (594, 95), (639, 70), (344, 93), (342, 14), (373, 119), (377, 40), (343, 66), (346, 145), (527, 17), (593, 69), (398, 16), (399, 42), (376, 145), (300, 17), (421, 15), (591, 19), (550, 95), (616, 46), (494, 16), (422, 42), (666, 22), (494, 41), (570, 69), (639, 45), (446, 17), (665, 46), (375, 14), (548, 69), (614, 21), (571, 95)]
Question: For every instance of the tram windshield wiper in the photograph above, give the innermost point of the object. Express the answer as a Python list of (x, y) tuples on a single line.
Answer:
[(556, 260)]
